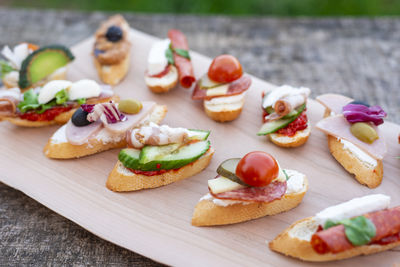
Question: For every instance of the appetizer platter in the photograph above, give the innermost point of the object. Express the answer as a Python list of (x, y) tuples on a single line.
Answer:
[(144, 221)]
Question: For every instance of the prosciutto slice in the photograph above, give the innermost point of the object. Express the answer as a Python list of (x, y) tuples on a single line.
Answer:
[(9, 100), (387, 223), (236, 87), (269, 193), (334, 102), (184, 65), (131, 120), (80, 135), (338, 127)]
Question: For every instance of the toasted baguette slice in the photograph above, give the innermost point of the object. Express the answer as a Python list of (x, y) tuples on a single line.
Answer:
[(58, 74), (295, 242), (291, 141), (163, 84), (363, 172), (121, 179), (113, 74), (60, 119), (207, 213), (223, 113), (65, 150)]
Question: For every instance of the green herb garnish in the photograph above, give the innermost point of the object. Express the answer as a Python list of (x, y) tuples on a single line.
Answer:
[(5, 68), (169, 54), (182, 52), (359, 230), (81, 101), (287, 176), (61, 97)]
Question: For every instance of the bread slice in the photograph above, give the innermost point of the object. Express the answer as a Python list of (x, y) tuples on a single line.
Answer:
[(121, 179), (207, 213), (228, 112), (295, 242), (291, 141), (65, 150), (363, 172), (58, 74), (113, 74), (61, 119), (163, 84)]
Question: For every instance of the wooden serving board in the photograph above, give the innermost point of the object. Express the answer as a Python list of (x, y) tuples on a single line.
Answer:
[(156, 222)]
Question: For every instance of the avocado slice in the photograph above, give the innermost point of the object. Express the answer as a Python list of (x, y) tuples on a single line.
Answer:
[(43, 62)]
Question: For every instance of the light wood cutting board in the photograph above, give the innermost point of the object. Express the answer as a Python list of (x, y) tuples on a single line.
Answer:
[(156, 222)]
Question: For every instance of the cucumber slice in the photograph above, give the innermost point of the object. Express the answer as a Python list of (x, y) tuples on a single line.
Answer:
[(200, 135), (207, 83), (228, 169), (180, 157), (273, 126), (151, 153)]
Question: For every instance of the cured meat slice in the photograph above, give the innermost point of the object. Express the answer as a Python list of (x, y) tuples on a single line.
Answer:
[(80, 135), (235, 88), (334, 240), (339, 127), (184, 65), (334, 102), (269, 193)]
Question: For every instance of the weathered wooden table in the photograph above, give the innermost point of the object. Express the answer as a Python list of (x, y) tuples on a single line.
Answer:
[(356, 57)]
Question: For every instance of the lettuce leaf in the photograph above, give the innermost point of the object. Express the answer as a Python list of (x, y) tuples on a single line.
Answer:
[(5, 68)]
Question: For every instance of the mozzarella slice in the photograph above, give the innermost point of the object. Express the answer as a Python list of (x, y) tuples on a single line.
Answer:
[(219, 90), (49, 91), (84, 89), (353, 208), (157, 61)]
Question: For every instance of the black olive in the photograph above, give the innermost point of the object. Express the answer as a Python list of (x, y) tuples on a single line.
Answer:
[(359, 103), (114, 34), (80, 118)]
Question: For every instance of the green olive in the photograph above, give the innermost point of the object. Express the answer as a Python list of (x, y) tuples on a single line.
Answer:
[(364, 132), (130, 106)]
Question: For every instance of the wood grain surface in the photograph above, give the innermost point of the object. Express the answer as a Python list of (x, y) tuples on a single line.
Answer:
[(156, 223)]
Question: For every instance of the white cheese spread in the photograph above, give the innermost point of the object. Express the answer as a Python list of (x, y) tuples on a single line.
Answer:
[(164, 81), (358, 153), (353, 208), (225, 103), (295, 183), (157, 61)]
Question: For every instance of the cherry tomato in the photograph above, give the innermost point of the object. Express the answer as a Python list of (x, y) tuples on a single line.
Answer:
[(257, 169), (225, 69)]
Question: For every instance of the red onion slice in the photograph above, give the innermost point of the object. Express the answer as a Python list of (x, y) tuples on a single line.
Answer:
[(360, 113), (107, 112)]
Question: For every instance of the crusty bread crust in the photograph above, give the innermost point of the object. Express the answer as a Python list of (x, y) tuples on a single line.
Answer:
[(288, 244), (225, 115), (298, 139), (364, 174), (69, 151), (206, 213), (121, 179), (113, 74), (61, 119), (57, 75), (163, 88)]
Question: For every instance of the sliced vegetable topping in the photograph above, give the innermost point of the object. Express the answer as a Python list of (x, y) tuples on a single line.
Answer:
[(225, 69), (130, 106), (5, 68), (106, 112), (364, 132), (80, 118), (31, 102), (360, 113)]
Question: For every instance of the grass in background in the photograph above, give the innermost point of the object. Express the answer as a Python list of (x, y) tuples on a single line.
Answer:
[(231, 7)]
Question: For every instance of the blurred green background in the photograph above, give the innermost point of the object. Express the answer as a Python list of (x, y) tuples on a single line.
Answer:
[(231, 7)]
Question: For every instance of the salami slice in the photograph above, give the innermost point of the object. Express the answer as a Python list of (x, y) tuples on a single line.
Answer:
[(184, 65), (269, 193), (235, 88), (334, 240)]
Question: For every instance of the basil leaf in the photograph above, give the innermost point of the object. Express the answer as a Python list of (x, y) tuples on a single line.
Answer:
[(5, 68), (81, 101), (169, 54), (329, 224), (61, 97), (359, 230), (182, 52), (287, 176)]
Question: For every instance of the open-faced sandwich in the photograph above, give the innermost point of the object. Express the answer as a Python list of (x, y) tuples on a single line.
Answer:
[(249, 188), (54, 103), (223, 89), (112, 49), (284, 116), (29, 66), (360, 226), (159, 155), (169, 61), (354, 139), (100, 127)]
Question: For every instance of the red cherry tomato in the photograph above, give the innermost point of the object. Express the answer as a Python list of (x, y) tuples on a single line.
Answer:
[(225, 69), (257, 169)]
